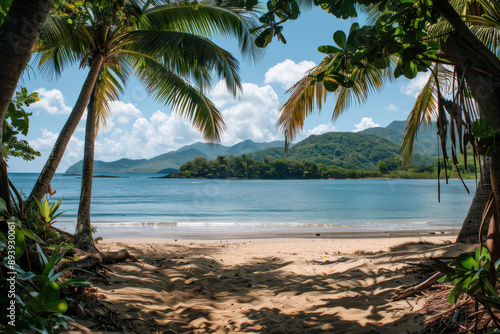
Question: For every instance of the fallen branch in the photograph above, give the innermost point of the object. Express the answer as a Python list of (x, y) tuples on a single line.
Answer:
[(424, 285)]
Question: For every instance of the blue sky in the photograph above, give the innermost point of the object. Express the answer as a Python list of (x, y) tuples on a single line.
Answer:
[(140, 128)]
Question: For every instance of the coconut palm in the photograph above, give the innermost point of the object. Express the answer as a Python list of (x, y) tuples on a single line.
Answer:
[(166, 47), (15, 49)]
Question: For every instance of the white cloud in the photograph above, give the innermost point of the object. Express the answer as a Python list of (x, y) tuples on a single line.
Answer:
[(365, 123), (51, 102), (391, 107), (122, 112), (45, 143), (322, 128), (288, 72), (414, 86), (159, 134), (252, 116)]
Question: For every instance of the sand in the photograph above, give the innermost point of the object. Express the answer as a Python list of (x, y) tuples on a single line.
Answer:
[(307, 285)]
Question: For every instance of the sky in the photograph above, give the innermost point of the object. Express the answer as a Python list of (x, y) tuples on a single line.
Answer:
[(140, 128)]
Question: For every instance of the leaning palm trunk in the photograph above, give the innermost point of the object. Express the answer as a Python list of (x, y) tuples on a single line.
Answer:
[(469, 233), (18, 34), (481, 69), (42, 184), (83, 234)]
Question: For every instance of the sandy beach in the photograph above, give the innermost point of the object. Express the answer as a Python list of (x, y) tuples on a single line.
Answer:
[(307, 285)]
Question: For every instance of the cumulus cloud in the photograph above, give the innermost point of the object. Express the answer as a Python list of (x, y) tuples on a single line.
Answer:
[(366, 123), (414, 86), (288, 72), (252, 116), (51, 102), (121, 113), (45, 143), (391, 107)]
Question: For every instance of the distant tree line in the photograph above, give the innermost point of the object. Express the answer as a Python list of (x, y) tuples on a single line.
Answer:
[(244, 167)]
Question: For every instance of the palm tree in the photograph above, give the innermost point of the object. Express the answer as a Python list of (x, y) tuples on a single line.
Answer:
[(18, 33), (163, 46), (310, 92)]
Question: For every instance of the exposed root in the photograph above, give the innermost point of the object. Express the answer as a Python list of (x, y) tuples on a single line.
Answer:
[(91, 261)]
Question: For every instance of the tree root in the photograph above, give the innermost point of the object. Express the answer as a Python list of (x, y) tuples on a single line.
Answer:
[(90, 261)]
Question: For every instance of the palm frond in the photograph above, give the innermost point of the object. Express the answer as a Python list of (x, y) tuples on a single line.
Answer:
[(307, 95), (425, 108), (185, 99), (207, 21), (183, 53), (58, 46)]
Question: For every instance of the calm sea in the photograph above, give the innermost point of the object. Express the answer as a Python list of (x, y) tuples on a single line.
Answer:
[(138, 205)]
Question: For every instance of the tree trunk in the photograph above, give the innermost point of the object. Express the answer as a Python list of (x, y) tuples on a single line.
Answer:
[(469, 234), (482, 73), (18, 34), (84, 240), (42, 184)]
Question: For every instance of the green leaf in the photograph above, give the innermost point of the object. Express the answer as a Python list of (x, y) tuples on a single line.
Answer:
[(20, 245), (32, 236), (51, 292), (330, 85), (74, 281), (340, 39), (59, 306), (54, 259), (468, 261), (482, 129), (328, 49)]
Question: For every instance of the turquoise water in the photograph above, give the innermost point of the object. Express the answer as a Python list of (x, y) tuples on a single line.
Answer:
[(136, 204)]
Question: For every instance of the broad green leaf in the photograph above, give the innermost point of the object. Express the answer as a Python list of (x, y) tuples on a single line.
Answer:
[(330, 85), (482, 129), (340, 39), (328, 49), (51, 292), (20, 245), (59, 306), (468, 261)]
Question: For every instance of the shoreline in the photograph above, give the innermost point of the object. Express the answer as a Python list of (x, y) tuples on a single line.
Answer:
[(201, 236)]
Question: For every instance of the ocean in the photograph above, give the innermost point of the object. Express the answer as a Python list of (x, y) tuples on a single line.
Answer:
[(136, 205)]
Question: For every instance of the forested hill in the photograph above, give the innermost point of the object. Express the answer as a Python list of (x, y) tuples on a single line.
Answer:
[(343, 149), (171, 161), (426, 138), (360, 150)]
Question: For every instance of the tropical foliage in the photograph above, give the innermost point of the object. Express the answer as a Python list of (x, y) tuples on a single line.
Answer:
[(246, 168), (17, 123)]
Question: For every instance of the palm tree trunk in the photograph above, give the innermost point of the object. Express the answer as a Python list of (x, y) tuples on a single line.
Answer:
[(482, 73), (469, 234), (42, 184), (84, 240), (18, 34)]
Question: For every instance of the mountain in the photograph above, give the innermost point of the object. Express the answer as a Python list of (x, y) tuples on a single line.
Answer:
[(426, 139), (361, 150), (171, 161), (344, 149)]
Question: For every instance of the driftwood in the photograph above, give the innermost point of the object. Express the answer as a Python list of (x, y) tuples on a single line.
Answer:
[(422, 286)]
